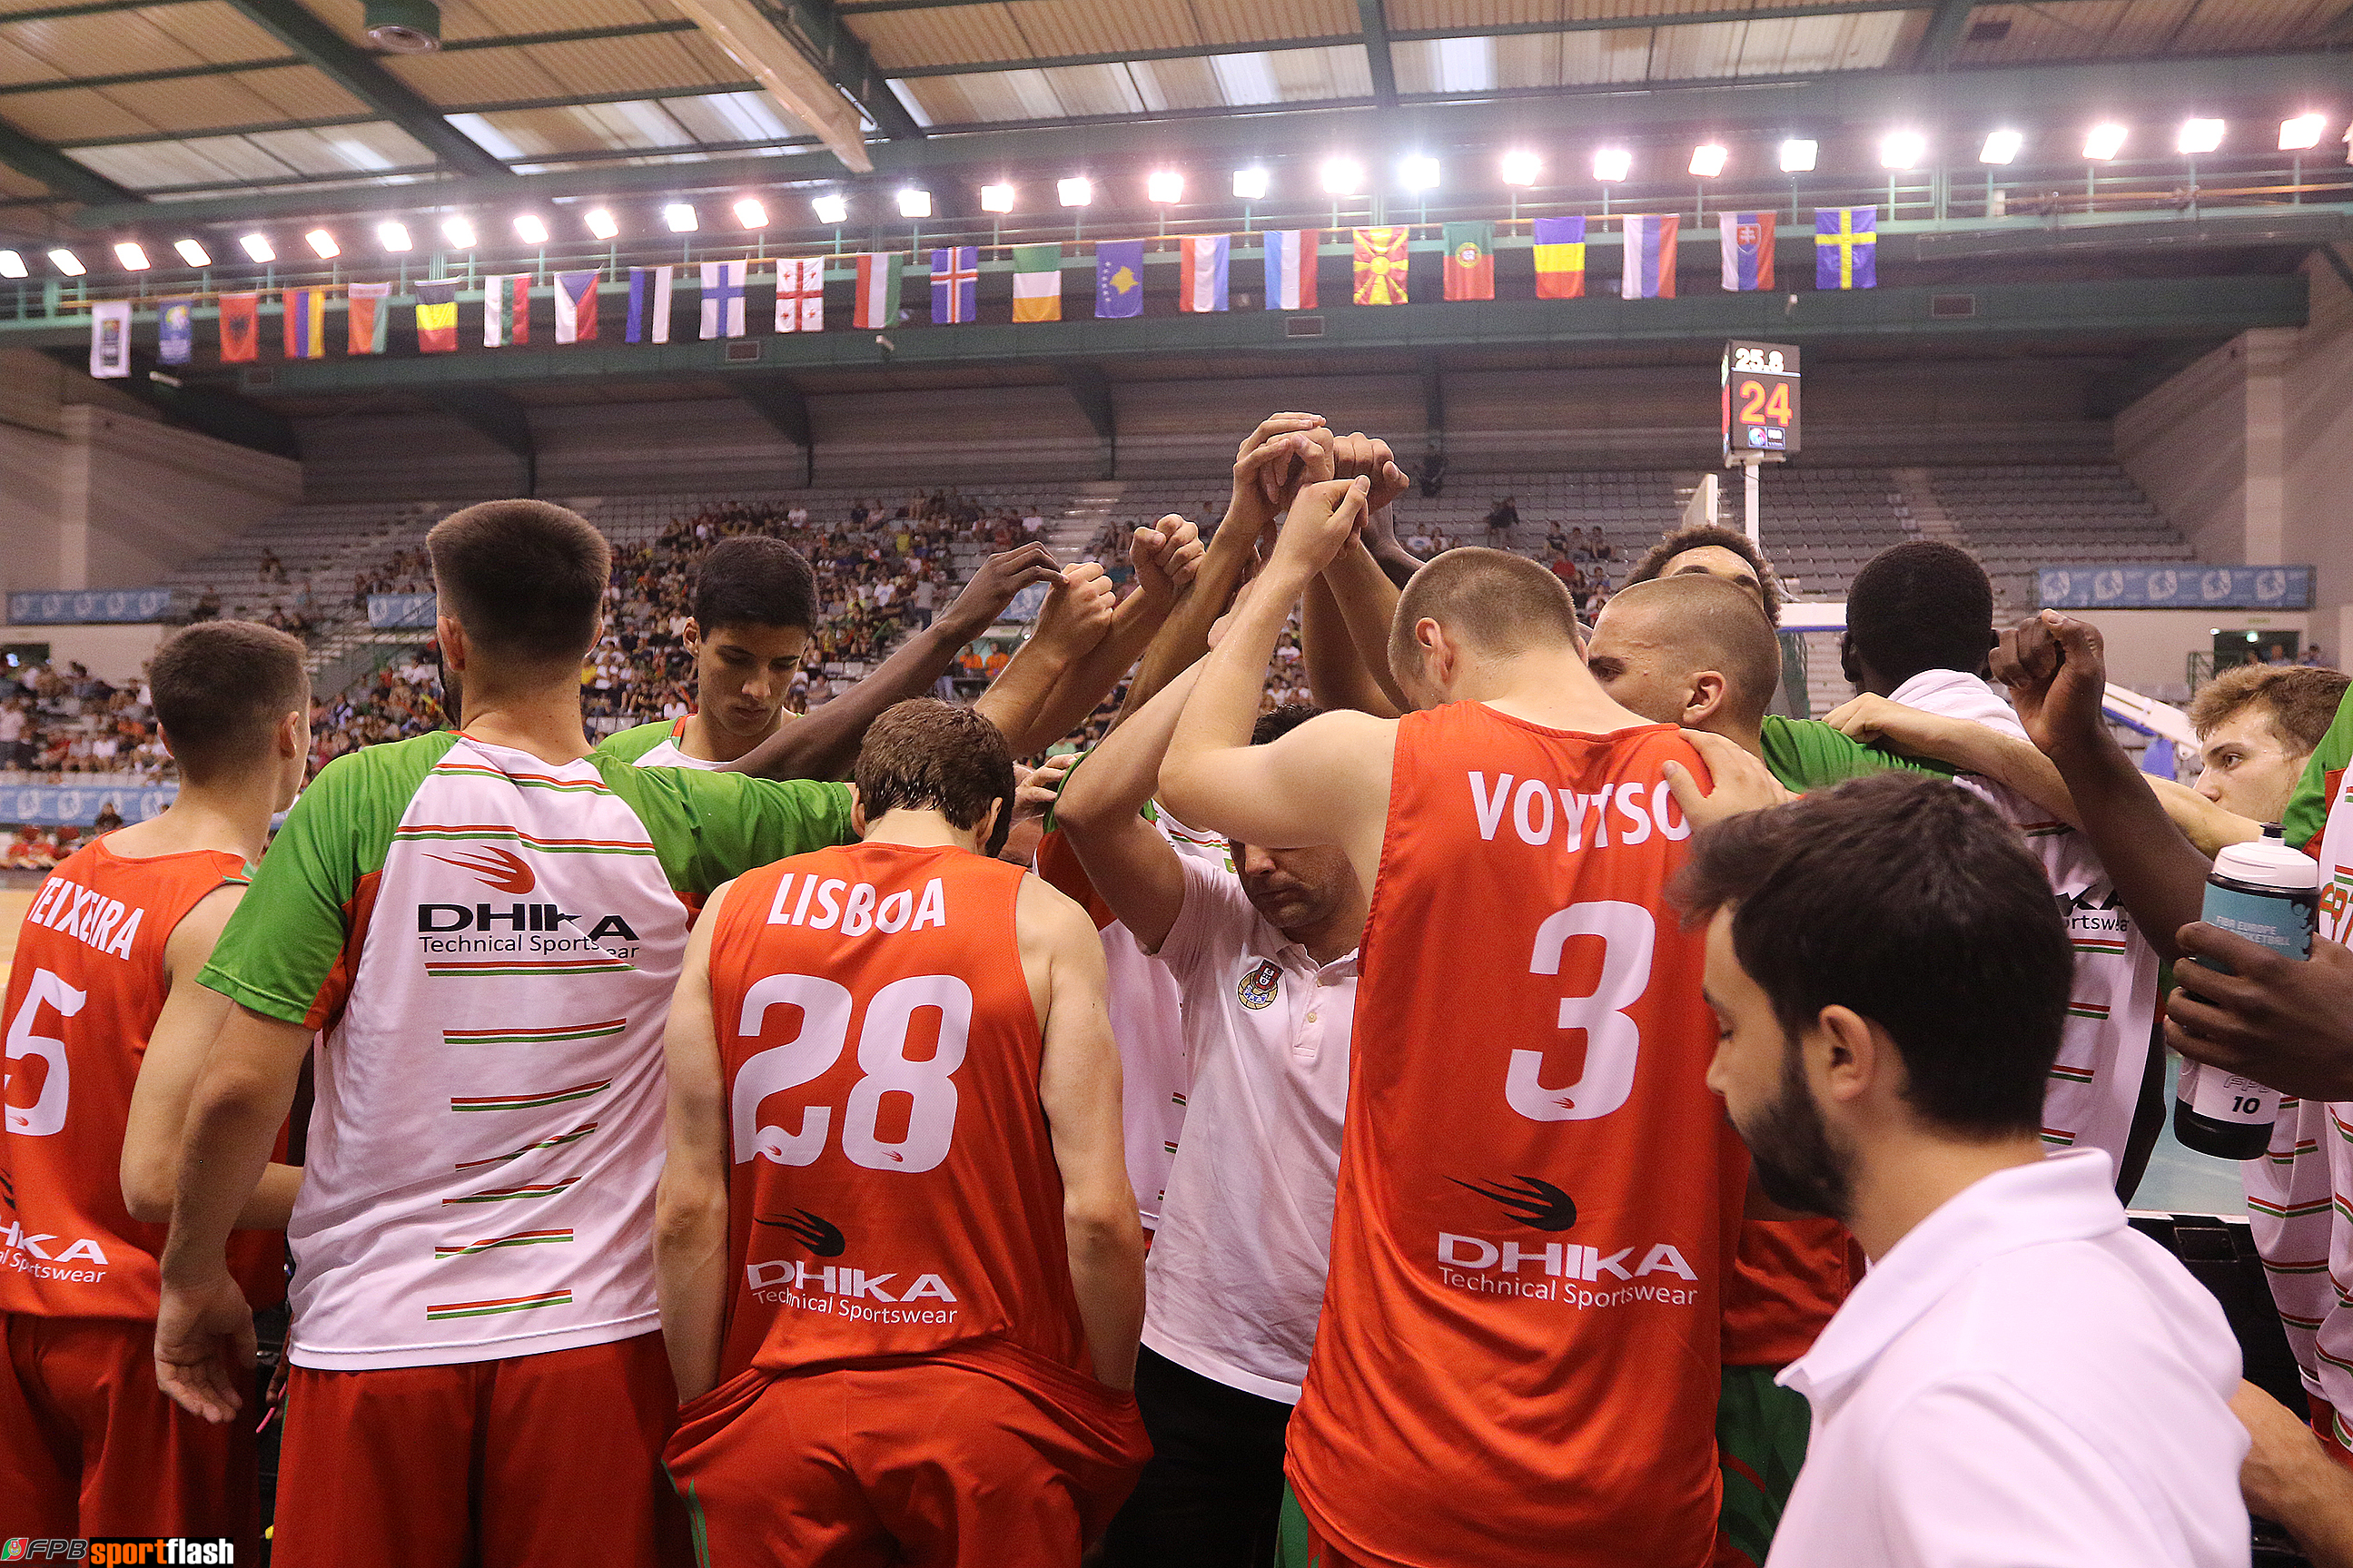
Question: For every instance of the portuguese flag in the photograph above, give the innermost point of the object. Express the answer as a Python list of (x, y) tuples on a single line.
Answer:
[(1469, 260)]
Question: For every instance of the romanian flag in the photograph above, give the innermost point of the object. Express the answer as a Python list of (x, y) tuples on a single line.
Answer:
[(1380, 266), (878, 290), (371, 306), (306, 323), (1846, 247), (506, 310), (1469, 260), (240, 324), (1649, 256), (1038, 282), (1560, 257), (1202, 270), (1290, 268), (437, 318), (575, 306)]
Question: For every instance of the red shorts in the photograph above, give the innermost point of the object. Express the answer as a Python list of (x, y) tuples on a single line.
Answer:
[(535, 1459), (90, 1446), (993, 1457)]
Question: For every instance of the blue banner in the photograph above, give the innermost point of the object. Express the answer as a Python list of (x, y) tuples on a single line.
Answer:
[(176, 330), (2184, 585), (69, 607), (400, 610), (78, 804)]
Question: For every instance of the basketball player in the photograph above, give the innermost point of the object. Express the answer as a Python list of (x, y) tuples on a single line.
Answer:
[(900, 1283), (2258, 726), (106, 961), (1518, 1352), (1725, 552), (486, 925)]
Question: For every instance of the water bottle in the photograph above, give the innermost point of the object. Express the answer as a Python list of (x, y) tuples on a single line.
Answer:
[(2268, 893)]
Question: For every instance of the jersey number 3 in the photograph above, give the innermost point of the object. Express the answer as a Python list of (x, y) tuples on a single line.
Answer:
[(1612, 1039), (825, 1007)]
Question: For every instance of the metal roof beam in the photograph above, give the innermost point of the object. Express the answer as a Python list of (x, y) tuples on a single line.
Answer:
[(356, 72), (1375, 22), (1946, 28), (133, 78), (812, 65), (60, 174)]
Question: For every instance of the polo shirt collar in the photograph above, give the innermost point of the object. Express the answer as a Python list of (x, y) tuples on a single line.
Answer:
[(1956, 695), (2069, 1196)]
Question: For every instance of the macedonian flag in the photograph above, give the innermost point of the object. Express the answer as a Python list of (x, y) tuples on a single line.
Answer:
[(1381, 265)]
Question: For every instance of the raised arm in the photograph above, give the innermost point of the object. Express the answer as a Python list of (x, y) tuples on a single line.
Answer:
[(690, 1205), (1131, 867), (1337, 672), (1077, 616), (1078, 1086), (1165, 556)]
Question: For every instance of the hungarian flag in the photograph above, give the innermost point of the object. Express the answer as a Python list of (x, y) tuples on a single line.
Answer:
[(506, 310), (648, 305), (306, 323), (1469, 260), (1846, 247), (878, 290), (1038, 282), (1290, 268), (1649, 256), (1560, 257), (437, 318), (575, 306), (955, 284), (240, 323), (1381, 265), (800, 294), (1748, 250), (1203, 264), (371, 308)]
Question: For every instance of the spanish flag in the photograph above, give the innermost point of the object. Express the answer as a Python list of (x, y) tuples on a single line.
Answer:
[(437, 318), (1381, 265), (1560, 257), (306, 323)]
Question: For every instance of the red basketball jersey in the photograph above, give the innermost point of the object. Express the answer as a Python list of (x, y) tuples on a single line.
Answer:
[(83, 995), (1518, 1361), (894, 1188)]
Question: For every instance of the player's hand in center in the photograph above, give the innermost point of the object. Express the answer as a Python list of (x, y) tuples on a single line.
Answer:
[(1324, 518)]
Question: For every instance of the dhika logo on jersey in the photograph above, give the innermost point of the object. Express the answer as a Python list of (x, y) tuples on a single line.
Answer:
[(503, 870), (838, 1288), (1258, 987), (1557, 1271), (1535, 1204), (820, 1235), (439, 919), (37, 1253)]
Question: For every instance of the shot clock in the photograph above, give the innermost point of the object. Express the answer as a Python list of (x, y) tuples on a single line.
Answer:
[(1760, 401)]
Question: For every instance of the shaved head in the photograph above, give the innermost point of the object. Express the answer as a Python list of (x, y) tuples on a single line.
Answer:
[(1495, 602), (1657, 638)]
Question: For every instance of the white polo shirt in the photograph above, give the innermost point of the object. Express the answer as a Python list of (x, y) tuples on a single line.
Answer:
[(2022, 1381), (1235, 1277)]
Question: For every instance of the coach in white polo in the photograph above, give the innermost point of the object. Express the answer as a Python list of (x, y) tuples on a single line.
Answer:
[(1264, 956), (2020, 1381)]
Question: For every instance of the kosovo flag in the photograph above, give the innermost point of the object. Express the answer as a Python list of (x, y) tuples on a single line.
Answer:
[(1118, 279), (1846, 247)]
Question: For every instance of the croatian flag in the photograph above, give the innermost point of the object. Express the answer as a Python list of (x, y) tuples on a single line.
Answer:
[(1649, 257), (1290, 268), (648, 305), (576, 307), (878, 290), (1203, 272), (722, 299), (955, 284), (1748, 250)]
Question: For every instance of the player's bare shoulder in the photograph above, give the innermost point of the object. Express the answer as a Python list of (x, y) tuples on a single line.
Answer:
[(1060, 946)]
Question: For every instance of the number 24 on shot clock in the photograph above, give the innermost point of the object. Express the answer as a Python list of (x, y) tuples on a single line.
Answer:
[(1760, 401)]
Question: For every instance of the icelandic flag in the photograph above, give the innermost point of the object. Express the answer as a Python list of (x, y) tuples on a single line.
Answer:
[(1649, 257), (1290, 268), (648, 305), (1118, 279), (878, 290), (722, 299), (576, 307), (1748, 250), (1846, 247), (1202, 267), (955, 284), (176, 330)]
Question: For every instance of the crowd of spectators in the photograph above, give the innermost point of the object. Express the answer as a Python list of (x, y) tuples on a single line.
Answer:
[(58, 718)]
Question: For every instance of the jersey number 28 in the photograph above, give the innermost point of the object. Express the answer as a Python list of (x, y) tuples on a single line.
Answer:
[(881, 1057)]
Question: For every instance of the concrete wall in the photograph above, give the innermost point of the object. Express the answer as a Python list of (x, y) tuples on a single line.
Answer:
[(2148, 650), (111, 653)]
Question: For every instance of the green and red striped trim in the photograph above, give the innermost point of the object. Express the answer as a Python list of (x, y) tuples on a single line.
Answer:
[(532, 1102), (447, 1310), (520, 1238), (513, 1037), (558, 1141), (501, 1195)]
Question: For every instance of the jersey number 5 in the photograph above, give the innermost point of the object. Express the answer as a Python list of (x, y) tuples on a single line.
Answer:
[(826, 1007), (47, 1114), (1613, 1040)]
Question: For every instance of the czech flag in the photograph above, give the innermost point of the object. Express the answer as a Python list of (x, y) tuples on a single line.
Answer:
[(1290, 268), (1202, 272), (1649, 257), (576, 307), (1748, 250)]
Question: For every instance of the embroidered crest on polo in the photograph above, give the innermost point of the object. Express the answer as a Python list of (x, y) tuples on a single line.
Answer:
[(1258, 987)]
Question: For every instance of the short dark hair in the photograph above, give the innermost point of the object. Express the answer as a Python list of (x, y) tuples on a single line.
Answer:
[(1497, 602), (923, 754), (220, 688), (525, 578), (2300, 700), (1273, 726), (1707, 618), (1921, 604), (1906, 899), (755, 581), (1700, 536)]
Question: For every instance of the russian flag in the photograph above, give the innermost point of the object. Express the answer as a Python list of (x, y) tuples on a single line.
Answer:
[(1290, 268), (1748, 250), (1205, 259), (1649, 257)]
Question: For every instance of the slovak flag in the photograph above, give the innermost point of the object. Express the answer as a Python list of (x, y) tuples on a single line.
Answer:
[(1748, 250), (1649, 257), (1290, 268), (1203, 272)]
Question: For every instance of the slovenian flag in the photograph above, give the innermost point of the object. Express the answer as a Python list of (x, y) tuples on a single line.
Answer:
[(1560, 257), (878, 290), (1649, 257), (648, 305), (1290, 268), (506, 310), (722, 299), (371, 310), (955, 284), (1748, 250), (1846, 247), (306, 323), (576, 307), (1202, 268)]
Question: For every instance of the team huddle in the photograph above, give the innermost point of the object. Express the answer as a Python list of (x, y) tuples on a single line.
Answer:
[(1545, 1109)]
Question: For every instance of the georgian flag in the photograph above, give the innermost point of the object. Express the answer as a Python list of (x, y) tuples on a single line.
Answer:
[(800, 294), (1202, 272), (1290, 268), (575, 306)]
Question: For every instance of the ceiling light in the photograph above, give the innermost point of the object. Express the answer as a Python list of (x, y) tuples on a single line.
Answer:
[(1612, 164), (459, 232), (2302, 132), (132, 255), (831, 208), (1707, 162), (1902, 149), (1342, 176), (915, 202), (1165, 186), (320, 241), (680, 218), (2198, 136), (11, 264), (601, 223), (1521, 168), (2106, 141), (996, 198), (192, 253), (531, 229), (259, 249), (393, 236), (2000, 146), (67, 262), (1076, 192), (1249, 184), (1797, 155), (751, 213), (1419, 174)]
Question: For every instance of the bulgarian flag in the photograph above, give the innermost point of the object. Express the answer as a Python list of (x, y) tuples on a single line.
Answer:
[(371, 308), (878, 289), (1469, 260), (1381, 265), (1560, 257), (576, 307), (1038, 282), (437, 318), (506, 310)]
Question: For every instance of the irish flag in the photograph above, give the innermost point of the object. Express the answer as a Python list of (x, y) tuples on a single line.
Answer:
[(878, 290), (1038, 282)]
